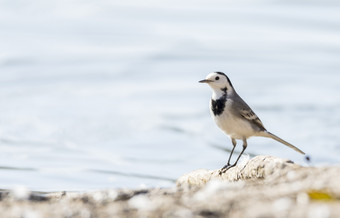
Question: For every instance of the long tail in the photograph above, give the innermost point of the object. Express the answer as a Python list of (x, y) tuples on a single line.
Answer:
[(271, 135)]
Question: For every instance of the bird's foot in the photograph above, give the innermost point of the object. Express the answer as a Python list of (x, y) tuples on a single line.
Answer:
[(225, 168)]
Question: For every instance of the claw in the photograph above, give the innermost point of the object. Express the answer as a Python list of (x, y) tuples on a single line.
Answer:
[(225, 168)]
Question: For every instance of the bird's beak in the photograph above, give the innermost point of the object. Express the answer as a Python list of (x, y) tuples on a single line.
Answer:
[(205, 81)]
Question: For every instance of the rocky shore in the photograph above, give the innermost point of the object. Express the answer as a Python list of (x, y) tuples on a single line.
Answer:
[(264, 186)]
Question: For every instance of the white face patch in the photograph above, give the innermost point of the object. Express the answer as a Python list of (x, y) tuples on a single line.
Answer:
[(219, 81)]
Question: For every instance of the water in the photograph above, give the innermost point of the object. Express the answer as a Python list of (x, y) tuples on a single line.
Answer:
[(105, 94)]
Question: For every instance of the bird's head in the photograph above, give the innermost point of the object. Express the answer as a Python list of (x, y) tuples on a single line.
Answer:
[(218, 81)]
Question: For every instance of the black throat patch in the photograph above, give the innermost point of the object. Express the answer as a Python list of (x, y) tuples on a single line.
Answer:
[(217, 106)]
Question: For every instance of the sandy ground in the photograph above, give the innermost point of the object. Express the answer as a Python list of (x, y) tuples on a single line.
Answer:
[(262, 187)]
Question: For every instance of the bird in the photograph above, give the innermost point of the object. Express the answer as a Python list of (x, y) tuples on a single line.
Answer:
[(234, 117)]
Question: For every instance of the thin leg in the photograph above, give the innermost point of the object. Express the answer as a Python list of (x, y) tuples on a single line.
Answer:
[(224, 169), (244, 148), (232, 151), (231, 154)]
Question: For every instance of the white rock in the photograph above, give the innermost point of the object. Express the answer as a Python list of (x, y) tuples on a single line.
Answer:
[(21, 193)]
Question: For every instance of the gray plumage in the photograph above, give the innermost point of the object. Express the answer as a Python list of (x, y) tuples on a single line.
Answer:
[(233, 115)]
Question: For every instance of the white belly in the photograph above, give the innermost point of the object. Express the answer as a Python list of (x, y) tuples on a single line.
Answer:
[(234, 127)]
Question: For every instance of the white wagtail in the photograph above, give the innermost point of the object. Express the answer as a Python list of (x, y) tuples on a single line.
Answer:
[(234, 117)]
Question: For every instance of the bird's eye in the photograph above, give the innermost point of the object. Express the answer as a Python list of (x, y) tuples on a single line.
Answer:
[(217, 78)]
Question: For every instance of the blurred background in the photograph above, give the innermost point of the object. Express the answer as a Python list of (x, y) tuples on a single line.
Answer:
[(105, 94)]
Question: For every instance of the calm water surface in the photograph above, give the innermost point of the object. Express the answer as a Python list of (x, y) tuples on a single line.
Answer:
[(101, 95)]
